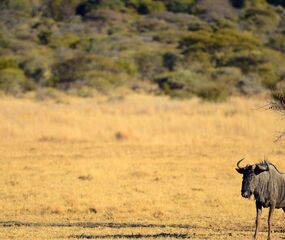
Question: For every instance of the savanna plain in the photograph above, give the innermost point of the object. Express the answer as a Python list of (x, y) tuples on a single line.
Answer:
[(133, 167)]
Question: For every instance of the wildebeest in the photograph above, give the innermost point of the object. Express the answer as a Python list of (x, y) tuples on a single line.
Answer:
[(267, 185)]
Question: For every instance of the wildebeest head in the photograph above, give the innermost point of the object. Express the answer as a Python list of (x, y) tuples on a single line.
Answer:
[(250, 176)]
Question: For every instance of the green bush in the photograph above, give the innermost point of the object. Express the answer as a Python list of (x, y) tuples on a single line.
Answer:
[(152, 24), (235, 49), (247, 60), (105, 82), (107, 21), (59, 9), (8, 62), (269, 74), (260, 20), (234, 81), (213, 92), (182, 83), (67, 72), (87, 6), (35, 68), (176, 6), (223, 23), (227, 76), (4, 42), (93, 71), (170, 60), (215, 10), (220, 48), (250, 84), (13, 81), (26, 6), (277, 42), (280, 85), (65, 40), (186, 83), (149, 64), (128, 66), (181, 79), (222, 40), (45, 37), (272, 70), (74, 72), (146, 6), (43, 94), (84, 91), (169, 36), (111, 4), (182, 21)]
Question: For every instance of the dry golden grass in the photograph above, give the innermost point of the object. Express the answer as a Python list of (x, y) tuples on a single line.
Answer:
[(145, 160)]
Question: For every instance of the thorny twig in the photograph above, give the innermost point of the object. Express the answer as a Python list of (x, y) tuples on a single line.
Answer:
[(278, 104), (279, 136)]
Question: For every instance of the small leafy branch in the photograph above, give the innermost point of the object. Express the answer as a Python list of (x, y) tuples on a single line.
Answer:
[(278, 104)]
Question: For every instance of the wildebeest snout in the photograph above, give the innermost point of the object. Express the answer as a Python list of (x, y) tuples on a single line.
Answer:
[(245, 194)]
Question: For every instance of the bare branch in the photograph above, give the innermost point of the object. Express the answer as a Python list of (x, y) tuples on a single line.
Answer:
[(278, 104), (279, 136)]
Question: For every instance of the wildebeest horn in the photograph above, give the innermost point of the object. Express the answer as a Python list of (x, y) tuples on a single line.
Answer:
[(239, 163)]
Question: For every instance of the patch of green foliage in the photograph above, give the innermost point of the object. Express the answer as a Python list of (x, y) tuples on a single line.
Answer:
[(231, 48), (146, 6), (261, 20), (210, 49), (8, 62), (222, 40), (98, 72), (180, 5), (13, 81), (26, 6), (186, 83), (277, 42)]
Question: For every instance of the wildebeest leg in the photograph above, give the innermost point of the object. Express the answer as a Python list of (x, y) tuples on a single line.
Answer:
[(271, 209), (258, 214)]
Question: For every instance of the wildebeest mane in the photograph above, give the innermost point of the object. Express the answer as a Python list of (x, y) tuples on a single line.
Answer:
[(263, 163)]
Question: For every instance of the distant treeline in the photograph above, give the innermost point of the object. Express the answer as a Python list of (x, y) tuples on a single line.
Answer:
[(183, 48)]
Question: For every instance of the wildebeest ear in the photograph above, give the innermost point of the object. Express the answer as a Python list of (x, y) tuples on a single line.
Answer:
[(240, 170), (260, 168)]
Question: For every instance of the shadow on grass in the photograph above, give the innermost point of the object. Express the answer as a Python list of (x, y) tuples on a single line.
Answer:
[(132, 236), (93, 225), (162, 235)]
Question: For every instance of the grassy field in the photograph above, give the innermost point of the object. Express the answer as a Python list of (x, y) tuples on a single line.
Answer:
[(134, 167)]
